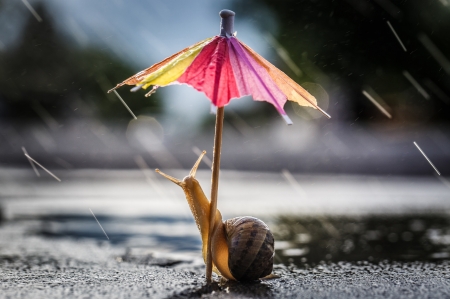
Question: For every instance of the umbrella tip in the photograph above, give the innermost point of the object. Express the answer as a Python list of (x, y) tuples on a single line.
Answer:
[(227, 24), (225, 13), (136, 88), (287, 119), (213, 109)]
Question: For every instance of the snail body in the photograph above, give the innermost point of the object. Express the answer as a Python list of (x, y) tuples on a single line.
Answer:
[(242, 248)]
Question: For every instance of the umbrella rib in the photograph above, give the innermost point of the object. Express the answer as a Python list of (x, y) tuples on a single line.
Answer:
[(309, 101)]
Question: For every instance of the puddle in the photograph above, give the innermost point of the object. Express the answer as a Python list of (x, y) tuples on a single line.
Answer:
[(310, 240), (301, 241), (165, 233)]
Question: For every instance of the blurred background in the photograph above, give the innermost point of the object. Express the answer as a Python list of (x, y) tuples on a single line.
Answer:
[(58, 59), (380, 68)]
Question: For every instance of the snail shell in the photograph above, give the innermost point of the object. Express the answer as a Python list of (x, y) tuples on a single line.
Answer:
[(242, 248), (251, 248)]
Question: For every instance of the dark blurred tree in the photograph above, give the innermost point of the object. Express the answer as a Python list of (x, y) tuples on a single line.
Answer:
[(46, 72), (351, 43)]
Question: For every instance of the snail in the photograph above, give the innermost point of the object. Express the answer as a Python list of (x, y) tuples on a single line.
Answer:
[(242, 247)]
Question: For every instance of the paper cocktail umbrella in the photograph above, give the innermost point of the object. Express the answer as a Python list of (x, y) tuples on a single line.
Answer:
[(224, 68)]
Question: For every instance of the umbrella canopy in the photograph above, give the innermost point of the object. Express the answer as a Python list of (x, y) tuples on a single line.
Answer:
[(224, 68)]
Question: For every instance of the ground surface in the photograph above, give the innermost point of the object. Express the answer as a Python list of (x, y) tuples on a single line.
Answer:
[(39, 267), (51, 246)]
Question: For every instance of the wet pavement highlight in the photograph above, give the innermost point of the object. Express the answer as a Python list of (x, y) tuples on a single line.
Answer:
[(303, 241)]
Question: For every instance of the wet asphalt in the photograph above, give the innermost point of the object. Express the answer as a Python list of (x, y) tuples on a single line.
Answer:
[(35, 266), (52, 247)]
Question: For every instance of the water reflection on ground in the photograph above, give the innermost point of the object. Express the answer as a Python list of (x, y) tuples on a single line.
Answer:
[(165, 233), (309, 240), (314, 218), (304, 241)]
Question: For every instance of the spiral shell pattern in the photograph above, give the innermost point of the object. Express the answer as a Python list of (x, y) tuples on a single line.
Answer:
[(251, 248)]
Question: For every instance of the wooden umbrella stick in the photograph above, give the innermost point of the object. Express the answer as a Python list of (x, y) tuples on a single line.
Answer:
[(214, 186), (226, 30)]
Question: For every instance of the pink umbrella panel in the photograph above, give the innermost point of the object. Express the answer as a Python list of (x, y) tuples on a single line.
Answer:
[(224, 68)]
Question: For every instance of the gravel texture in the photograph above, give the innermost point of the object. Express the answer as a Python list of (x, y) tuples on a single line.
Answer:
[(38, 267)]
